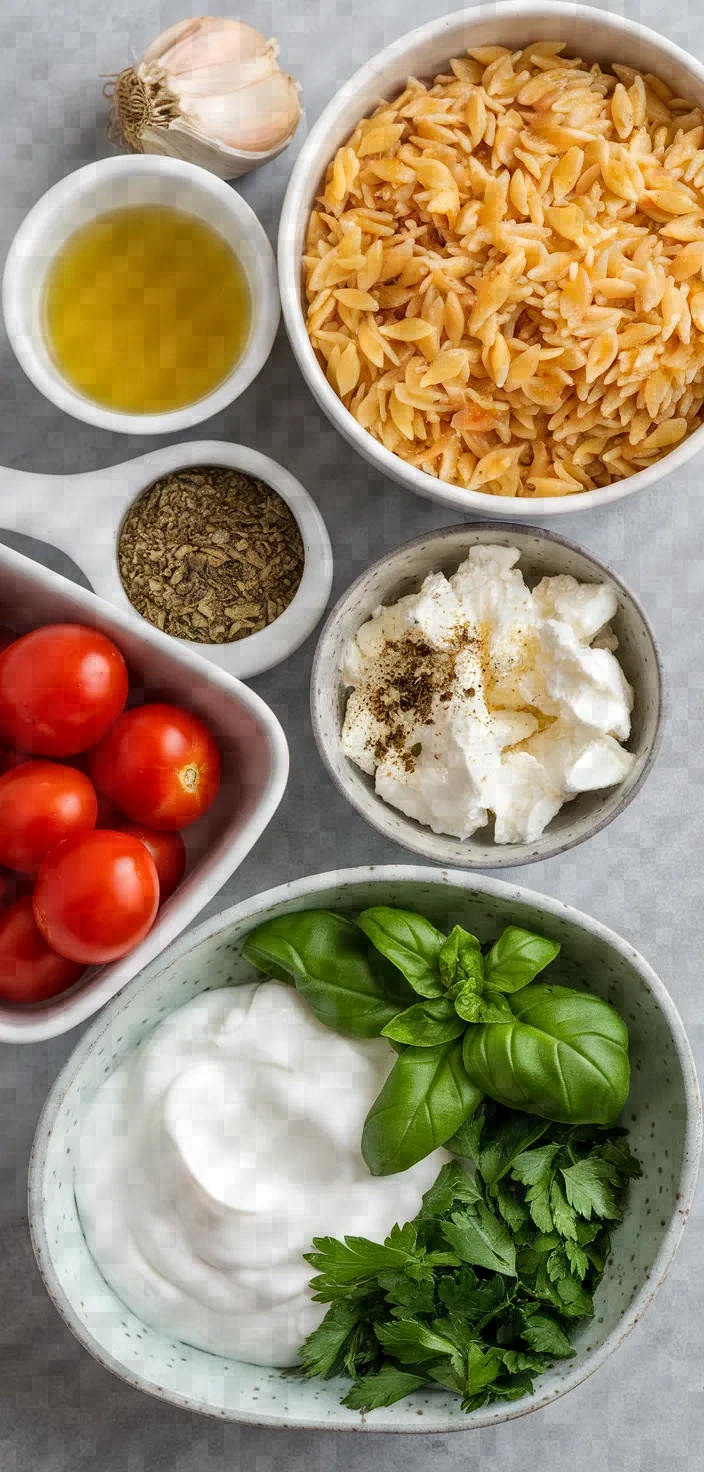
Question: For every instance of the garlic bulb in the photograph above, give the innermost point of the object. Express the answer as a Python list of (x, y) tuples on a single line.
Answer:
[(207, 90)]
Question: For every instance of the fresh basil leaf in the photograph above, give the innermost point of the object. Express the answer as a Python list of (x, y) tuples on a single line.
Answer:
[(588, 1188), (504, 1139), (461, 959), (345, 983), (451, 1185), (410, 942), (426, 1023), (322, 1352), (481, 1240), (425, 1099), (388, 1385), (564, 1056), (411, 1341), (542, 1331), (517, 957)]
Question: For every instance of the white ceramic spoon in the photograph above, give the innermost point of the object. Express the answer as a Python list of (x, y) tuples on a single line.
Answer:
[(82, 515)]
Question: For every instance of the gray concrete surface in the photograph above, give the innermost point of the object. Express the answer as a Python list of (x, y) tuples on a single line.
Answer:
[(59, 1411)]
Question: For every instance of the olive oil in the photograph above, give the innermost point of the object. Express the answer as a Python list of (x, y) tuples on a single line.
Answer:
[(146, 309)]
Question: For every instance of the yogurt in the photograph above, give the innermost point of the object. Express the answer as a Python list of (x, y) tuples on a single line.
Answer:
[(477, 698), (211, 1158)]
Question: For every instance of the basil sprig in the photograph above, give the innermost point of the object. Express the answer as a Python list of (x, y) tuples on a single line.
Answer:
[(464, 1023)]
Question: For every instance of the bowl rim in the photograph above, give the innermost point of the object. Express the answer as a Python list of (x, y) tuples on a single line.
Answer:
[(265, 296), (505, 857), (306, 887), (289, 269)]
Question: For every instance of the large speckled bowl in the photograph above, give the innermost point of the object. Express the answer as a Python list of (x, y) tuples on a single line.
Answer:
[(543, 554), (663, 1114)]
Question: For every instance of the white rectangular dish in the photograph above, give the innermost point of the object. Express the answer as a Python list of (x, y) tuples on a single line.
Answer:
[(254, 773)]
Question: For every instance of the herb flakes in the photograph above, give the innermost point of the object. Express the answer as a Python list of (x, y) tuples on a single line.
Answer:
[(210, 554)]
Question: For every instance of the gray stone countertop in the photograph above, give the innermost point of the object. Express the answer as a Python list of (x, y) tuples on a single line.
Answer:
[(59, 1410)]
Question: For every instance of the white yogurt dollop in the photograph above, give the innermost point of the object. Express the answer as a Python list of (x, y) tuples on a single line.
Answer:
[(477, 696), (214, 1155)]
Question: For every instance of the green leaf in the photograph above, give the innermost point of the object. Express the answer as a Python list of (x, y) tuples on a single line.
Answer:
[(562, 1214), (388, 1385), (321, 1353), (504, 1139), (345, 983), (517, 957), (481, 1240), (577, 1258), (517, 1360), (425, 1024), (473, 1298), (410, 942), (405, 1295), (557, 1265), (512, 1210), (574, 1301), (617, 1153), (564, 1056), (426, 1097), (460, 959), (355, 1259), (543, 1332), (483, 1367), (534, 1167), (588, 1189), (513, 1387), (451, 1185), (445, 1373), (411, 1341), (466, 1140)]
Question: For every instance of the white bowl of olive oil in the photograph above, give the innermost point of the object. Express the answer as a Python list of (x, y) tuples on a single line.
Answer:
[(140, 295)]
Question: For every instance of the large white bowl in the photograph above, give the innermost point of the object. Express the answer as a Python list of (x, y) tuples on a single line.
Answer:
[(593, 34), (543, 554), (254, 773), (663, 1114), (112, 183)]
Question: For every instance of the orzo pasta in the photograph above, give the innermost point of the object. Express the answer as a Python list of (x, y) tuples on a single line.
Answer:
[(505, 272)]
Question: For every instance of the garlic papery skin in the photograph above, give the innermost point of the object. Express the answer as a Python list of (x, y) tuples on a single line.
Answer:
[(209, 91)]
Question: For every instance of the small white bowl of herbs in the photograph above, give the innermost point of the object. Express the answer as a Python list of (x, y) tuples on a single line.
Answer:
[(494, 1184)]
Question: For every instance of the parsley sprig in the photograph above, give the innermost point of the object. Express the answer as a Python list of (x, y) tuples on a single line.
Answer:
[(480, 1292)]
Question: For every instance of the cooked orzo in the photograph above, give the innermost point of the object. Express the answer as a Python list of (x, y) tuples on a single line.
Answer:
[(505, 272)]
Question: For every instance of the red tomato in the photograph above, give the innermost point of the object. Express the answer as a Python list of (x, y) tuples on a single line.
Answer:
[(61, 687), (159, 765), (41, 803), (29, 970), (96, 896), (168, 852)]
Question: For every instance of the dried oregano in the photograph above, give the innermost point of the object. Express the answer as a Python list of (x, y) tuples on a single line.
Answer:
[(210, 554)]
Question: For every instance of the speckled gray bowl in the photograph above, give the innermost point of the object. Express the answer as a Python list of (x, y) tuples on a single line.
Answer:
[(543, 554), (663, 1114)]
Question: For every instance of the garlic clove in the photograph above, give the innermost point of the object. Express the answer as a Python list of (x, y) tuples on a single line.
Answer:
[(252, 120), (208, 90), (221, 77)]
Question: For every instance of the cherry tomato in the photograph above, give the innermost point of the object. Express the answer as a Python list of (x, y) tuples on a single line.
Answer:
[(168, 852), (30, 971), (159, 765), (41, 803), (61, 687), (96, 895)]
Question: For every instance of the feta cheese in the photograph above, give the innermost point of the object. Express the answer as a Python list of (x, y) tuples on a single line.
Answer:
[(477, 697)]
